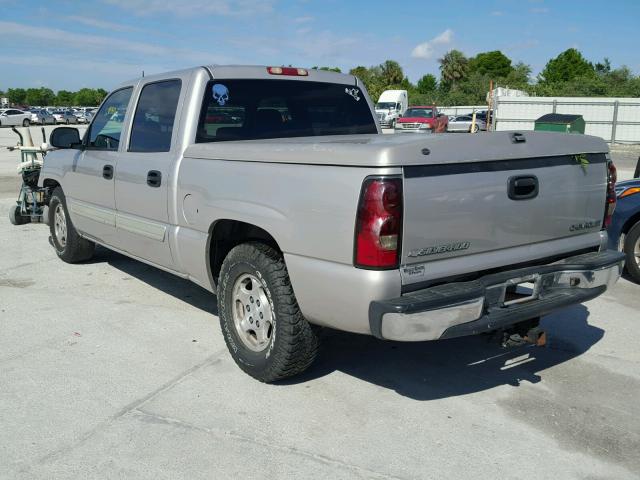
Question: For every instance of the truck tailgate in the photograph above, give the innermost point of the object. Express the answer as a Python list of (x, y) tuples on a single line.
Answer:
[(469, 208)]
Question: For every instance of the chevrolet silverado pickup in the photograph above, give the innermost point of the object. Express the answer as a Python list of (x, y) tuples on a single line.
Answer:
[(273, 188)]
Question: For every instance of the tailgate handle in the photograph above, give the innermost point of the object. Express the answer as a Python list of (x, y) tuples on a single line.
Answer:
[(523, 187)]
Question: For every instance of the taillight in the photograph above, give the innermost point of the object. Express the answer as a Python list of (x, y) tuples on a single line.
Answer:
[(296, 72), (379, 224), (610, 206)]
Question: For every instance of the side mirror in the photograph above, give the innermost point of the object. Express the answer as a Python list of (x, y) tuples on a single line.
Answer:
[(65, 137)]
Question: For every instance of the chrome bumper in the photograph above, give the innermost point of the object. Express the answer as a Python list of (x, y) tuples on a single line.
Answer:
[(467, 308)]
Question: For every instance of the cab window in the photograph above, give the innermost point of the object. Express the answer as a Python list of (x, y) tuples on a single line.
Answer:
[(104, 133), (155, 116)]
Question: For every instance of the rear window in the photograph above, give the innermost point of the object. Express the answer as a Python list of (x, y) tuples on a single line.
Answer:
[(257, 109)]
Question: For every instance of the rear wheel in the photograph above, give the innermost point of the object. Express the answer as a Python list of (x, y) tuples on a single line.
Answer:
[(262, 324), (632, 251), (69, 245), (16, 217)]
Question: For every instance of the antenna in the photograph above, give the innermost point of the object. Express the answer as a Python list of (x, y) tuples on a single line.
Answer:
[(142, 73)]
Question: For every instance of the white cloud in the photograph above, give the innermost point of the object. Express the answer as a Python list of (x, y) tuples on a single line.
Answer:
[(539, 10), (497, 13), (94, 22), (306, 19), (187, 8), (427, 49), (86, 42)]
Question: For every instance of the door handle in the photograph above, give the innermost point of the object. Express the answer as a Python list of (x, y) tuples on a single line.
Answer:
[(523, 187), (107, 172), (154, 178)]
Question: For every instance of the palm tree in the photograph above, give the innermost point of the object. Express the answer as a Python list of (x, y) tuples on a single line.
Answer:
[(391, 72), (453, 66)]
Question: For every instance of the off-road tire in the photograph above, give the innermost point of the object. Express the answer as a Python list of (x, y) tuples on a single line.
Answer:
[(16, 218), (293, 345), (76, 249), (630, 241)]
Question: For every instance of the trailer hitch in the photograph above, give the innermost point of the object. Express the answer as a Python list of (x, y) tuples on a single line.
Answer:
[(524, 333)]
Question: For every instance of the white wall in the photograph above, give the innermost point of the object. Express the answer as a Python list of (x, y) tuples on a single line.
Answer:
[(462, 109), (519, 113)]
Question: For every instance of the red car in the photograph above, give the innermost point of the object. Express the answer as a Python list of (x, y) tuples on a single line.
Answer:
[(422, 119)]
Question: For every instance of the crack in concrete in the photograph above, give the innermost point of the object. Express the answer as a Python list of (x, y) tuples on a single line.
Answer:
[(282, 448), (212, 359)]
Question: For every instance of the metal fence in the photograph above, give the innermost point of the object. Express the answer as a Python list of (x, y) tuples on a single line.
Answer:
[(617, 120)]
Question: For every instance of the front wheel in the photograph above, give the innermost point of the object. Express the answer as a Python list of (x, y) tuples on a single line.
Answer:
[(69, 245), (263, 327), (26, 122), (632, 251), (474, 128)]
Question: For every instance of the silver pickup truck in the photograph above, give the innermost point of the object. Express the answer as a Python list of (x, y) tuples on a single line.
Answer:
[(273, 188)]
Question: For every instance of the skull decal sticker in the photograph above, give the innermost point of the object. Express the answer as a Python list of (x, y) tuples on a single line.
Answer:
[(220, 94), (354, 92)]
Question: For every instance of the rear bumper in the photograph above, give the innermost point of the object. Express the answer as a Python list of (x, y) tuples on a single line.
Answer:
[(467, 308)]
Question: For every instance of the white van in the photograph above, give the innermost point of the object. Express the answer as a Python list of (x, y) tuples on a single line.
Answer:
[(391, 105)]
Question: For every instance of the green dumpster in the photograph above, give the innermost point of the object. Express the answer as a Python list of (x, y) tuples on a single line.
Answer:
[(557, 122)]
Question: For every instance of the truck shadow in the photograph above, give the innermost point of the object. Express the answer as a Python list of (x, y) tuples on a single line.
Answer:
[(177, 287), (421, 371), (449, 368)]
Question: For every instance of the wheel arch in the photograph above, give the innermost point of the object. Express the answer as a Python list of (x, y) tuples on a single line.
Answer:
[(225, 234), (631, 221), (52, 184)]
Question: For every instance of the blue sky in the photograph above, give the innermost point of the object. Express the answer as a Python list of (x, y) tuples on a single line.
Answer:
[(64, 44)]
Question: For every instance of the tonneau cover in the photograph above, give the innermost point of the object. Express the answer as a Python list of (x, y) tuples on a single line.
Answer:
[(378, 150)]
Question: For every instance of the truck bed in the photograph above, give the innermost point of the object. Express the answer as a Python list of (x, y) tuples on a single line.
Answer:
[(398, 150)]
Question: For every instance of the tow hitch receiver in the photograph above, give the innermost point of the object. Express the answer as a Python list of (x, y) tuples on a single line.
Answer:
[(524, 333)]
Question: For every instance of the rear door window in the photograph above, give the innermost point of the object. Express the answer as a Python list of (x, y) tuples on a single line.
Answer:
[(154, 120), (257, 109)]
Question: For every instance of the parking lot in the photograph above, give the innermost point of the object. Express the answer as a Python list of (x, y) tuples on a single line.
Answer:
[(114, 369)]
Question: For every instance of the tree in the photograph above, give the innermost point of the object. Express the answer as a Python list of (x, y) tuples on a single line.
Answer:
[(495, 64), (565, 67), (453, 67), (39, 96), (604, 67), (88, 97), (391, 72), (427, 84), (64, 98), (17, 95)]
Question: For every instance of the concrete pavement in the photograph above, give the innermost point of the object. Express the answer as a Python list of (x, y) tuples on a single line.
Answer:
[(114, 369)]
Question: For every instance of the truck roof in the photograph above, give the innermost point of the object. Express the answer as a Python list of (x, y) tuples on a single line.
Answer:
[(252, 72)]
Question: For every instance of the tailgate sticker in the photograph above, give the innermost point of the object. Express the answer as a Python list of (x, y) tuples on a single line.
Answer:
[(413, 271)]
